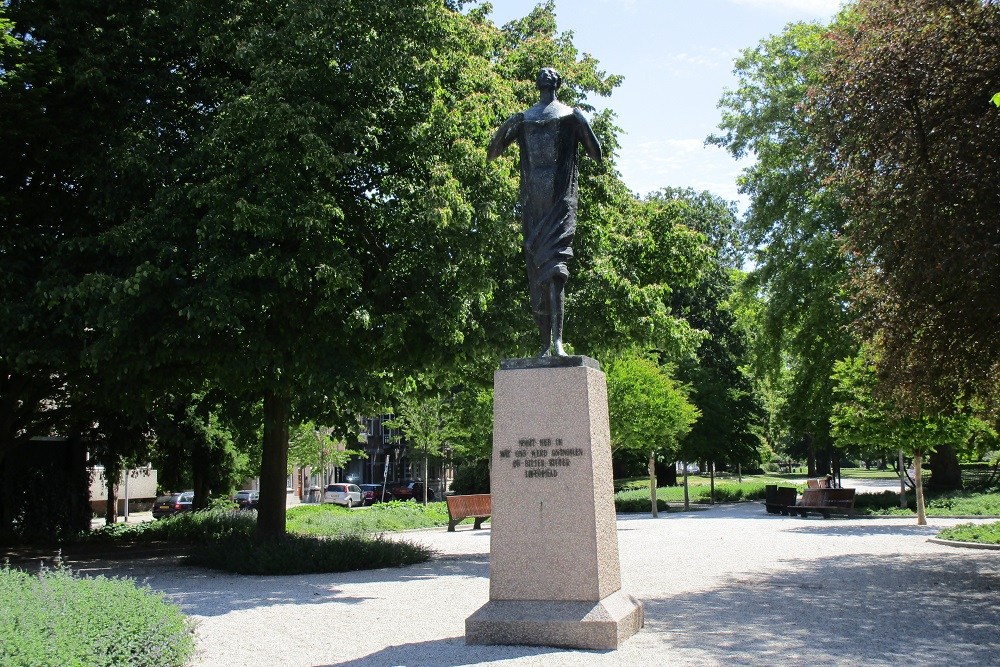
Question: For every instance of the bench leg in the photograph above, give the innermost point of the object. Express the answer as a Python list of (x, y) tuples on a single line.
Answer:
[(478, 523), (451, 526)]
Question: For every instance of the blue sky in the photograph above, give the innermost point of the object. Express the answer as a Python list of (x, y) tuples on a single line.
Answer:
[(676, 57)]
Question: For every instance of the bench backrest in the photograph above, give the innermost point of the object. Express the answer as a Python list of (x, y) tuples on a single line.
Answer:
[(828, 498), (473, 505)]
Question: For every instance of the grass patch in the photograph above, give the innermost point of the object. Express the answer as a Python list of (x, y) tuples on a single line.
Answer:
[(302, 554), (55, 618), (985, 533), (636, 498), (327, 520)]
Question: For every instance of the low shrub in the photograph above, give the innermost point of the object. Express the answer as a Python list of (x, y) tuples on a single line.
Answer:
[(983, 533), (960, 503), (301, 554), (55, 618), (635, 505), (195, 527)]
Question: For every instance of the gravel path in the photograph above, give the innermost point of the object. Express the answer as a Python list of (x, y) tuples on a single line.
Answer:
[(728, 585)]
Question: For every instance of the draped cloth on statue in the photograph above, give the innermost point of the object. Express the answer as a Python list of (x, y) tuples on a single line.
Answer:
[(548, 135), (549, 174)]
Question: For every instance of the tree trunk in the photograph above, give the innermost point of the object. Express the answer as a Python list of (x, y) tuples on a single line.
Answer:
[(947, 474), (425, 477), (711, 482), (902, 481), (811, 455), (687, 504), (6, 502), (200, 475), (111, 510), (918, 465), (273, 467), (652, 485)]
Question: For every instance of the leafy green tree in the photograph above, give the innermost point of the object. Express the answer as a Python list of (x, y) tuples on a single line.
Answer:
[(649, 411), (794, 223), (427, 424), (728, 431), (195, 448), (318, 447), (904, 109), (862, 418)]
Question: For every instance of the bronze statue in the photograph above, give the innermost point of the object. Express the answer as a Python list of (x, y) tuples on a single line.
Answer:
[(548, 134)]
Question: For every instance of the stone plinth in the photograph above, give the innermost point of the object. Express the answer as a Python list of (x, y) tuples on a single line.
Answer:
[(554, 572)]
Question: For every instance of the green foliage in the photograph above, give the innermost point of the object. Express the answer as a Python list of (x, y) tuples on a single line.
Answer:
[(649, 410), (301, 554), (189, 527), (794, 224), (326, 520), (902, 110), (725, 492), (983, 533), (472, 477), (638, 504), (54, 619), (881, 427), (315, 446), (937, 504)]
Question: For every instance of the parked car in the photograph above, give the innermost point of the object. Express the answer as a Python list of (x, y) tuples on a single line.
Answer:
[(373, 493), (172, 504), (693, 469), (347, 495), (407, 490), (247, 500)]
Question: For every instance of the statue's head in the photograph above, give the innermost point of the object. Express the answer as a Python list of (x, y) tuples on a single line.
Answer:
[(548, 79)]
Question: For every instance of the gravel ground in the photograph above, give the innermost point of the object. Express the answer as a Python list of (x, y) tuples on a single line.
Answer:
[(728, 585)]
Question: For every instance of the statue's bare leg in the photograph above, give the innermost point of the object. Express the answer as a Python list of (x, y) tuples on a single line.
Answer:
[(544, 321), (556, 297)]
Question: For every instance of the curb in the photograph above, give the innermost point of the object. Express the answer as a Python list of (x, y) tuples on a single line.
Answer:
[(964, 545)]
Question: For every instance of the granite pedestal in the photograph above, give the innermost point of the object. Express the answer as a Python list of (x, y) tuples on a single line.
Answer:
[(554, 572)]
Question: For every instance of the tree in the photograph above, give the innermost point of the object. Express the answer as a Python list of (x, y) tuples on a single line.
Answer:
[(861, 418), (914, 142), (317, 447), (720, 387), (649, 411), (427, 424), (794, 225)]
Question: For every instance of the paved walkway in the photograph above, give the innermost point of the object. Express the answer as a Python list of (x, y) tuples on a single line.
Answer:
[(730, 585)]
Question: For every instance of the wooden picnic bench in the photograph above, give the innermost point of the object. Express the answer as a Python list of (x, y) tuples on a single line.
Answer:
[(825, 501), (778, 499), (478, 507)]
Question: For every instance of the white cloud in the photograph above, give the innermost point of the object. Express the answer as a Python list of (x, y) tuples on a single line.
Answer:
[(687, 163), (818, 8)]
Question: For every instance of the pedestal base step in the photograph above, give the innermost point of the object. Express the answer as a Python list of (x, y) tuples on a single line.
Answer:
[(588, 625)]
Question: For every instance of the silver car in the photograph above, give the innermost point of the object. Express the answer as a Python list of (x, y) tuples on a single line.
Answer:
[(347, 495)]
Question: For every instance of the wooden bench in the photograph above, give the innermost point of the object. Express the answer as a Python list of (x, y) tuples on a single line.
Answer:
[(478, 507), (778, 499), (825, 501)]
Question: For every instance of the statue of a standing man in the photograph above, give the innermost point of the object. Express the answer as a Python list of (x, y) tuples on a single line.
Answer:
[(548, 134)]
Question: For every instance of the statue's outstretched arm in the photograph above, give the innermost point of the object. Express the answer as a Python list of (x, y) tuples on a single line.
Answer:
[(587, 136), (504, 136)]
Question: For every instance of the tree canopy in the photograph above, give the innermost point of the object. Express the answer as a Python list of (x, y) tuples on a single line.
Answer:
[(904, 110)]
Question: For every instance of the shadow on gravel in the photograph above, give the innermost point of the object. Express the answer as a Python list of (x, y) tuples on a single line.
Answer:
[(451, 652), (203, 592), (861, 610), (865, 529)]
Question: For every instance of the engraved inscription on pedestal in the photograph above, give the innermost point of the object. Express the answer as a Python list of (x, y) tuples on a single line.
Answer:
[(554, 571)]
